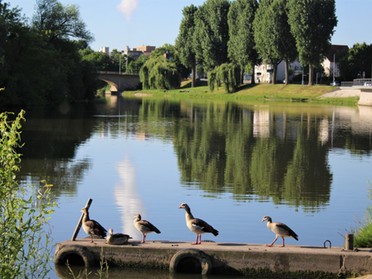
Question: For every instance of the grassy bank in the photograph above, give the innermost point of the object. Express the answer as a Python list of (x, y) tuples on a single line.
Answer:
[(260, 93)]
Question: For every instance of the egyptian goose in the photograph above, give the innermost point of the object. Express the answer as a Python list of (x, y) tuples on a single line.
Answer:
[(117, 238), (92, 227), (280, 230), (196, 225), (144, 226)]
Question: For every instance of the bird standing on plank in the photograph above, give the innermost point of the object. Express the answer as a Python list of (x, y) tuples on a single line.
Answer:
[(280, 230), (144, 226), (92, 227), (196, 225)]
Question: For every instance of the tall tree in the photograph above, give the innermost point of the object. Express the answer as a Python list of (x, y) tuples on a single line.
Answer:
[(185, 41), (241, 45), (312, 24), (273, 38), (211, 31), (56, 21)]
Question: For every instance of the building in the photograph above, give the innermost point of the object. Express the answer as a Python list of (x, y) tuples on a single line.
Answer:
[(105, 50), (264, 72), (137, 51), (330, 65)]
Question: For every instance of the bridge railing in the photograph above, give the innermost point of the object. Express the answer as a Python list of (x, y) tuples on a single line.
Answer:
[(115, 73), (362, 82)]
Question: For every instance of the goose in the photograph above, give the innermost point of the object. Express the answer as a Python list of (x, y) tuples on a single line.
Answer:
[(92, 227), (117, 238), (196, 225), (144, 226), (280, 230)]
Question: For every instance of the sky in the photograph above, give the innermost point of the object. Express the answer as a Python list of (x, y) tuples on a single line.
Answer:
[(120, 23)]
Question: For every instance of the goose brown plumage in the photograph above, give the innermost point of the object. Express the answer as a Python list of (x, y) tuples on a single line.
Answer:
[(117, 238), (92, 227), (280, 230), (144, 226), (196, 225)]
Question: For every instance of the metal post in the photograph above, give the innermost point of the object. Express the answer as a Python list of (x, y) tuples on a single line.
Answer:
[(349, 242)]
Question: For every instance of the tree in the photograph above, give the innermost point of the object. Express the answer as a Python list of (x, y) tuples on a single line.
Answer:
[(241, 45), (358, 62), (273, 38), (185, 41), (312, 24), (55, 21), (211, 33), (161, 70)]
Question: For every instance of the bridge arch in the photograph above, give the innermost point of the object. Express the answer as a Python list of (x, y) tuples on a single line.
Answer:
[(119, 82)]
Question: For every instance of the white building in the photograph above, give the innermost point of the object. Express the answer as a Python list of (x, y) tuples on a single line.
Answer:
[(264, 72)]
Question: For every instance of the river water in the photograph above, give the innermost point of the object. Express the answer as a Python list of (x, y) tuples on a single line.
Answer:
[(307, 166)]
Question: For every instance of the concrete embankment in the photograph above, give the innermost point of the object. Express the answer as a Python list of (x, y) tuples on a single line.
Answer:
[(363, 93), (220, 258)]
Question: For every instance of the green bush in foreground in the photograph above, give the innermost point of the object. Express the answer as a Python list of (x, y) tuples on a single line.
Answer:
[(363, 235), (24, 212)]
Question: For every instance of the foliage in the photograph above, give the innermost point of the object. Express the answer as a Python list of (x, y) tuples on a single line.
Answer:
[(57, 22), (274, 42), (312, 24), (363, 235), (38, 68), (23, 213), (241, 45), (185, 42), (226, 74), (134, 66), (211, 33), (357, 63), (160, 70)]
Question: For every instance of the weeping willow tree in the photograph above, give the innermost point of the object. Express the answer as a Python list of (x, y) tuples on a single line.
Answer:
[(227, 75), (160, 71)]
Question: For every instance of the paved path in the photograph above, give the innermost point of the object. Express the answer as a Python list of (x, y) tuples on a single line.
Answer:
[(343, 92)]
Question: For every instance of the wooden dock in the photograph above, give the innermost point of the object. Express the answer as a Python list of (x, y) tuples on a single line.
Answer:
[(220, 258)]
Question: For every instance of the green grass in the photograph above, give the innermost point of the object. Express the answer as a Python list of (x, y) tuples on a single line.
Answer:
[(363, 236), (251, 94)]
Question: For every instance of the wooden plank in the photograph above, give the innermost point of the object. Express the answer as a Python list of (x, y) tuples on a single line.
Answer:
[(78, 226)]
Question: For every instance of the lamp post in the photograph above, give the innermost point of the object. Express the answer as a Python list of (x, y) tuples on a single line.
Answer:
[(334, 67), (120, 64)]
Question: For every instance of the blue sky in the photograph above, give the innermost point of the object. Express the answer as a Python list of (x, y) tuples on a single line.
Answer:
[(121, 23)]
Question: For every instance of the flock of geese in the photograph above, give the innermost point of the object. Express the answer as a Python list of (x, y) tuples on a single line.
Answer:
[(195, 225)]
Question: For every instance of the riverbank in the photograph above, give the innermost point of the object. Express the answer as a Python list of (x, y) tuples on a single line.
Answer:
[(253, 94)]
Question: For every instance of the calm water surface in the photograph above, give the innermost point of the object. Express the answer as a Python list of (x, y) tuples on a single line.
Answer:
[(307, 166)]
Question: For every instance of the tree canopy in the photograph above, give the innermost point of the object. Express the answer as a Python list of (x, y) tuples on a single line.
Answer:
[(41, 63), (241, 44), (312, 24), (211, 31), (185, 42)]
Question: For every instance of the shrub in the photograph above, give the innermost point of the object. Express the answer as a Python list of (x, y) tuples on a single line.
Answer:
[(24, 211)]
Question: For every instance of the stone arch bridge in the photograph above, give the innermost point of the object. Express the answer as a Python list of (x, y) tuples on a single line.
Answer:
[(120, 81)]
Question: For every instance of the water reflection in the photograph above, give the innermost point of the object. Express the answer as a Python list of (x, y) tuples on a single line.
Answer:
[(274, 153), (126, 197)]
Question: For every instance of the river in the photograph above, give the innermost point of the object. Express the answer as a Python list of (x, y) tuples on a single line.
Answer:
[(305, 165)]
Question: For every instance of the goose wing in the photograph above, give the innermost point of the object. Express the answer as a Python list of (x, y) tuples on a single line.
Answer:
[(284, 229), (203, 226), (148, 226)]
